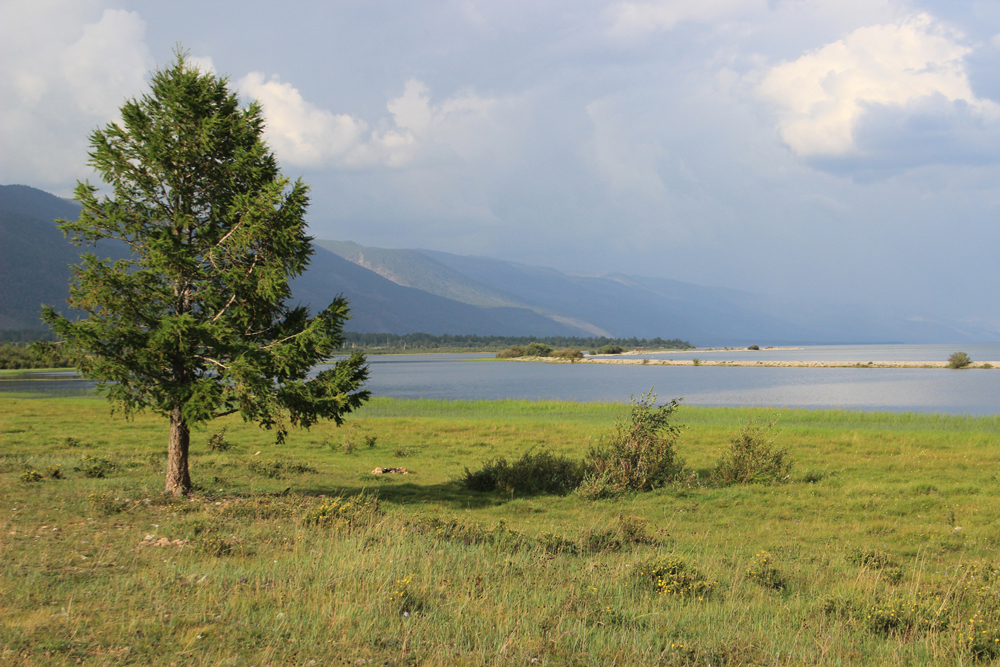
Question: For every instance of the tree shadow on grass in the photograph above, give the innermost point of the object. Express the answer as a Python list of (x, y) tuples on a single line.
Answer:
[(407, 493)]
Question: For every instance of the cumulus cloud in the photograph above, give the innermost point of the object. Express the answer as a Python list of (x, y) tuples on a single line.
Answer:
[(825, 96), (632, 20), (305, 135), (59, 85)]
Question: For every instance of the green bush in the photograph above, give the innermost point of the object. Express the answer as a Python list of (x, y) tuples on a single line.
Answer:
[(30, 476), (512, 353), (670, 575), (959, 360), (217, 441), (753, 457), (15, 356), (640, 455), (568, 353), (611, 349), (537, 350), (628, 531), (358, 511), (533, 473), (763, 571)]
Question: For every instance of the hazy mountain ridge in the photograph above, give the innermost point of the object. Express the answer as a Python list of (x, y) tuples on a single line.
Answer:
[(409, 291), (35, 261), (411, 268), (704, 315)]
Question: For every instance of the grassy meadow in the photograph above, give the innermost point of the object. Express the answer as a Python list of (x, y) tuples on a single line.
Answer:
[(881, 549)]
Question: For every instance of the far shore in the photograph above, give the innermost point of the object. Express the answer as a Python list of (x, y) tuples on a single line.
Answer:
[(754, 363)]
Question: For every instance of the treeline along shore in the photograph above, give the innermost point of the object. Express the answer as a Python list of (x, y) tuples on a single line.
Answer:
[(380, 343)]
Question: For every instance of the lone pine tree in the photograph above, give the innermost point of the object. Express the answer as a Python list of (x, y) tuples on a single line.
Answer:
[(194, 325)]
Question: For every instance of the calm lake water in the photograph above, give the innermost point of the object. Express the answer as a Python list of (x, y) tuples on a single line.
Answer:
[(477, 376)]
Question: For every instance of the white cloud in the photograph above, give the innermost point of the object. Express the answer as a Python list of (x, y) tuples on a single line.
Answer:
[(824, 95), (303, 134), (632, 20), (63, 76)]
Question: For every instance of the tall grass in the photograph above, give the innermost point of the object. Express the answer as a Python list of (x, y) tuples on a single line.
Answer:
[(881, 551)]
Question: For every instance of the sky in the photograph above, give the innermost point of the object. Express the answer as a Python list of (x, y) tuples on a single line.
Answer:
[(844, 150)]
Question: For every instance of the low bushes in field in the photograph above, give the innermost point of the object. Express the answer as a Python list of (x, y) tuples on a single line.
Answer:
[(628, 531), (763, 571), (217, 441), (640, 455), (533, 473), (671, 575), (753, 456)]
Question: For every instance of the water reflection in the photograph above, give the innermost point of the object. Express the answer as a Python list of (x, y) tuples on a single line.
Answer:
[(478, 376)]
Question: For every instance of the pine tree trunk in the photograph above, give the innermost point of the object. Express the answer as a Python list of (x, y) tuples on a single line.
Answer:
[(178, 479)]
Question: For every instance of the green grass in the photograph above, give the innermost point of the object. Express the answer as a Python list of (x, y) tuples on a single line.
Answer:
[(884, 544)]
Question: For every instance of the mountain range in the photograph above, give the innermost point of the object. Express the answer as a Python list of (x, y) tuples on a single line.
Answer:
[(407, 291)]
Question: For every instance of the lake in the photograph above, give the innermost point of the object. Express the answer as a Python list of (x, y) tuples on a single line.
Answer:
[(478, 376)]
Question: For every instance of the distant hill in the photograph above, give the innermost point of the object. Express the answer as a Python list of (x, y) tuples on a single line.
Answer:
[(641, 306), (34, 256), (411, 291), (35, 260), (413, 268), (379, 305)]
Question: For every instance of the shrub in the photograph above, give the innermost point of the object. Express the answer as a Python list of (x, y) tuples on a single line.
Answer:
[(628, 531), (568, 353), (640, 455), (105, 504), (753, 457), (217, 441), (95, 467), (29, 476), (762, 571), (670, 575), (533, 473), (959, 360), (754, 347), (537, 350), (611, 349), (512, 353)]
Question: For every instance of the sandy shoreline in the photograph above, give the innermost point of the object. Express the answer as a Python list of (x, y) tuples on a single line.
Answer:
[(760, 364)]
